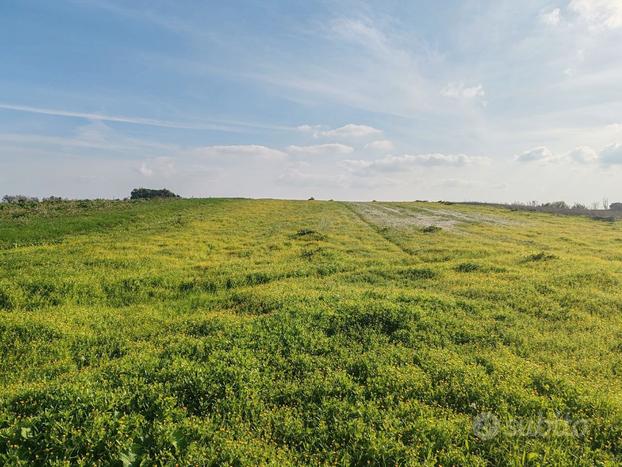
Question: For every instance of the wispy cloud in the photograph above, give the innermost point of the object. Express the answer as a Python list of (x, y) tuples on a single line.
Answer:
[(235, 127), (239, 150), (330, 149), (539, 154), (461, 91), (551, 18), (381, 145), (349, 131)]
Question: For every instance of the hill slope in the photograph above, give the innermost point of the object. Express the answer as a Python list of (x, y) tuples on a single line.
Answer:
[(240, 331)]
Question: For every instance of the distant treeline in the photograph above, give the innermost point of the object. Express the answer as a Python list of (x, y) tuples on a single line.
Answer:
[(137, 193), (601, 211)]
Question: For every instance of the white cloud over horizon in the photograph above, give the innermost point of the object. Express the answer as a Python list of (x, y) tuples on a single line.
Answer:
[(610, 155)]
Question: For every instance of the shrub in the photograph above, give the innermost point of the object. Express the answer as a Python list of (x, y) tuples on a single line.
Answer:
[(147, 193), (556, 205), (615, 206), (419, 274), (542, 256), (468, 267), (19, 199)]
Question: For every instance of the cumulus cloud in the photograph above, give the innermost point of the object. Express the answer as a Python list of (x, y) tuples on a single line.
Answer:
[(330, 149), (460, 91), (349, 131), (612, 154), (539, 154), (551, 18), (381, 145), (583, 155), (599, 14), (409, 162), (247, 151)]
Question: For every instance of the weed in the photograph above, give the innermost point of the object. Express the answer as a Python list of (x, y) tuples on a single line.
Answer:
[(468, 267)]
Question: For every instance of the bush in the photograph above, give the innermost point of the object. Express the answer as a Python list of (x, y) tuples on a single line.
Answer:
[(467, 267), (615, 206), (556, 205), (542, 256), (147, 193), (19, 199)]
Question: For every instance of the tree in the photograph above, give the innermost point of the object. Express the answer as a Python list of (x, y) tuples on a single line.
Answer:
[(615, 206), (147, 193)]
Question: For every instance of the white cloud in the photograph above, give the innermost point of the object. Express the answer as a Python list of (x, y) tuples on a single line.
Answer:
[(460, 91), (242, 150), (582, 154), (352, 131), (539, 154), (330, 149), (158, 166), (599, 14), (362, 33), (308, 128), (551, 18), (349, 131), (409, 162), (145, 170), (617, 127), (381, 145), (300, 177), (612, 154)]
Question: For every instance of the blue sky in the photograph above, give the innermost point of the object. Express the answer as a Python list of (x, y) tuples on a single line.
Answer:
[(462, 100)]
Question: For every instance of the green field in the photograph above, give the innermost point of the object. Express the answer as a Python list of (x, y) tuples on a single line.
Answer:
[(303, 332)]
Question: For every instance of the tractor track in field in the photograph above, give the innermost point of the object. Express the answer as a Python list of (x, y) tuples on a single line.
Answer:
[(398, 217), (376, 228)]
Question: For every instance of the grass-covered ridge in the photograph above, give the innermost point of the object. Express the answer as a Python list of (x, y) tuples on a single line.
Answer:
[(248, 332)]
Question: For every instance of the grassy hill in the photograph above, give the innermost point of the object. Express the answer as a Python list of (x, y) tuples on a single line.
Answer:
[(284, 332)]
